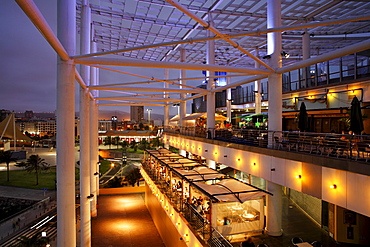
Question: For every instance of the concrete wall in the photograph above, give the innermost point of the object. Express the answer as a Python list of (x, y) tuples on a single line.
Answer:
[(309, 204)]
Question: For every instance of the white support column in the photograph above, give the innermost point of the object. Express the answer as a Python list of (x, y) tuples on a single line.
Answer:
[(211, 164), (211, 108), (228, 101), (182, 95), (257, 87), (85, 165), (274, 210), (306, 55), (274, 213), (94, 157), (166, 113), (94, 80), (66, 194)]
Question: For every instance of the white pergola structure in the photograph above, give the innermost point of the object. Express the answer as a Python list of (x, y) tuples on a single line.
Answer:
[(218, 35)]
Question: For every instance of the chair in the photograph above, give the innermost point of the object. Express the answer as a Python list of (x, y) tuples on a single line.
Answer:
[(316, 244), (296, 240), (262, 245)]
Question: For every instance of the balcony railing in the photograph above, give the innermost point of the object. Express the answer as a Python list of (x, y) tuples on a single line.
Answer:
[(346, 146)]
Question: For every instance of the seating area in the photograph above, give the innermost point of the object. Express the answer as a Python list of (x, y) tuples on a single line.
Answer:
[(298, 242)]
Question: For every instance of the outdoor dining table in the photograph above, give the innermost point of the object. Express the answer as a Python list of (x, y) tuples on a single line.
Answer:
[(304, 244)]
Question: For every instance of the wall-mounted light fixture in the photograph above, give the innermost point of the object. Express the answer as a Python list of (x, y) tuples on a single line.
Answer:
[(266, 57), (225, 155), (177, 224), (90, 197), (96, 174), (206, 150), (254, 163), (284, 54), (215, 153), (237, 159), (333, 186), (272, 169), (299, 176)]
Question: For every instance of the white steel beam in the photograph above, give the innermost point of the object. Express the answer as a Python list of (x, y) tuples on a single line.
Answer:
[(171, 65), (215, 31), (150, 89), (154, 80), (241, 34)]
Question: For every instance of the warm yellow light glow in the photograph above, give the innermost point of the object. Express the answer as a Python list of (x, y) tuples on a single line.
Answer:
[(178, 223), (333, 186), (171, 215), (215, 153), (298, 176), (253, 164), (237, 159), (112, 164)]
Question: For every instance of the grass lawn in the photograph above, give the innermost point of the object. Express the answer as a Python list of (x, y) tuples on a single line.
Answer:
[(21, 178), (104, 166)]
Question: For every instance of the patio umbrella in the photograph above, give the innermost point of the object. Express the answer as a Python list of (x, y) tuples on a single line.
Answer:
[(303, 118), (356, 124)]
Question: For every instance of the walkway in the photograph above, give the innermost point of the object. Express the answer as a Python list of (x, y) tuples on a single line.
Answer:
[(123, 220)]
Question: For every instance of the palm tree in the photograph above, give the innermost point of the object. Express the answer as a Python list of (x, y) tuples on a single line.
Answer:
[(6, 156), (34, 164), (133, 177)]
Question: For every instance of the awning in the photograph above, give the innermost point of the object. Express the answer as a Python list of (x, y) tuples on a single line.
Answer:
[(231, 190), (193, 116), (7, 129), (199, 173)]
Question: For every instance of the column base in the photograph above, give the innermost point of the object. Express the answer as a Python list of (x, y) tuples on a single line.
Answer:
[(274, 233)]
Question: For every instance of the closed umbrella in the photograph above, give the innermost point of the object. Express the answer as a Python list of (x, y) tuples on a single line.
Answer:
[(356, 124), (303, 118)]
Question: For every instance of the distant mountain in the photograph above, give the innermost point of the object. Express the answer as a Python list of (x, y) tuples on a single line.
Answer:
[(107, 115)]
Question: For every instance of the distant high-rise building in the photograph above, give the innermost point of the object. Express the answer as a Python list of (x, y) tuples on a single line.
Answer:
[(137, 113), (4, 114), (28, 114)]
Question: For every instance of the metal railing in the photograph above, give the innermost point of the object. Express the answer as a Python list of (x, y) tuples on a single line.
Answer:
[(346, 146), (198, 222)]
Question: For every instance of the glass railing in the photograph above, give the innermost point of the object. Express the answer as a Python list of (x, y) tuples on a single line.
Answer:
[(345, 146)]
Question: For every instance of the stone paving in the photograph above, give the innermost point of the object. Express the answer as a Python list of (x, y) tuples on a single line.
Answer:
[(124, 220)]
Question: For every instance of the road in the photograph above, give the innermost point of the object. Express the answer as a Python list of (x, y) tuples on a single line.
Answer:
[(47, 224)]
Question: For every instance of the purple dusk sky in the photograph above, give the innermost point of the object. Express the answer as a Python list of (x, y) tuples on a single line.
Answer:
[(28, 64)]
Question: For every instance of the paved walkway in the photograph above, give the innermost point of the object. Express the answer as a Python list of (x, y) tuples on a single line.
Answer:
[(123, 220)]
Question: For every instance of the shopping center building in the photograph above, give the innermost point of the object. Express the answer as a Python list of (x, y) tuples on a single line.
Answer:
[(257, 56)]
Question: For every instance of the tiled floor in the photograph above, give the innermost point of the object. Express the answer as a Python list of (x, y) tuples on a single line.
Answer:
[(123, 220), (296, 224)]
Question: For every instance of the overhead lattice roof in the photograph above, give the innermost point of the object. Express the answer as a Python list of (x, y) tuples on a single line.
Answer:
[(122, 24), (154, 30)]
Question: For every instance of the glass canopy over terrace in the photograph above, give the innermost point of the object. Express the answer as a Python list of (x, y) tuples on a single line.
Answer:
[(228, 205)]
